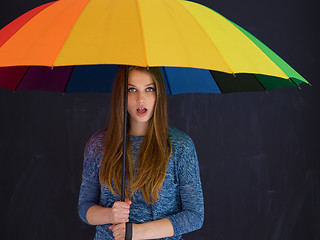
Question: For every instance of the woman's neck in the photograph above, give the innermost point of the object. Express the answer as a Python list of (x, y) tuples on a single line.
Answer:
[(138, 129)]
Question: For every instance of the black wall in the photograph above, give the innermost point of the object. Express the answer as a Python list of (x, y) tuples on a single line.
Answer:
[(258, 152)]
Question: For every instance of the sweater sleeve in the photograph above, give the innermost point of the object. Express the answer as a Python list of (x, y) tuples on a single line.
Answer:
[(191, 216), (90, 186)]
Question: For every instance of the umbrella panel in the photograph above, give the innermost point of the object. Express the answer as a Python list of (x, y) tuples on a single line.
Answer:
[(99, 78), (8, 31), (11, 76), (45, 79), (94, 78), (189, 80)]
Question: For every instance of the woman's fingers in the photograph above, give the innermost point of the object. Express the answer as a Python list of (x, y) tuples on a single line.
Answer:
[(125, 205), (119, 231), (120, 211), (120, 216)]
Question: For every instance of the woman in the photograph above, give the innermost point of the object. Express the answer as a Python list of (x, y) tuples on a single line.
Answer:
[(163, 181)]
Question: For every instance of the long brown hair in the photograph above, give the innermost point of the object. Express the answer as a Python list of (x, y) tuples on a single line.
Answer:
[(155, 150)]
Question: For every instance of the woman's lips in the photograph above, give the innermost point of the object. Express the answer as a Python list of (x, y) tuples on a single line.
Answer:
[(141, 111)]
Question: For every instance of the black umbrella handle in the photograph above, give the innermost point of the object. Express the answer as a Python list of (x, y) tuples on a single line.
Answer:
[(128, 234), (125, 107)]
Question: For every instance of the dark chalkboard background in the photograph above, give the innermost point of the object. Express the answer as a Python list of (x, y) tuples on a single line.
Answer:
[(258, 152)]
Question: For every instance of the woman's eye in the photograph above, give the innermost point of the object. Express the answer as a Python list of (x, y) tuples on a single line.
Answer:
[(150, 89), (131, 90)]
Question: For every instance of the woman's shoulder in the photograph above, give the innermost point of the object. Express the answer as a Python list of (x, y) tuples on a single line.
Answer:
[(179, 138), (93, 154), (95, 143), (97, 138)]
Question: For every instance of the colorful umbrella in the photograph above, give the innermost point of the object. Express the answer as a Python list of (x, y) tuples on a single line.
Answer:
[(170, 33), (75, 45)]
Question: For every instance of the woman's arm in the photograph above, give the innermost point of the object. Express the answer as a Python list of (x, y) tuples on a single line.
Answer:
[(90, 186), (191, 216), (155, 229), (89, 209)]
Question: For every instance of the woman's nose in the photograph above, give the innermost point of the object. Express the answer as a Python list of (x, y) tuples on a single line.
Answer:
[(141, 98)]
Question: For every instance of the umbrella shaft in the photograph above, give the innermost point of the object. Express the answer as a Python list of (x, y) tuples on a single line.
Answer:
[(125, 106)]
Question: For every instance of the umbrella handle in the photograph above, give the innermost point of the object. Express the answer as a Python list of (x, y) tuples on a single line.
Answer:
[(128, 235), (125, 107)]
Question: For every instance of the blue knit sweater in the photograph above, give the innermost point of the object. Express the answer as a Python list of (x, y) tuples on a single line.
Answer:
[(180, 199)]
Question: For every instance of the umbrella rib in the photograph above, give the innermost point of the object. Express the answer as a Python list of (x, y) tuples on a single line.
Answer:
[(25, 73), (142, 31), (67, 83), (291, 80), (228, 65), (68, 35), (266, 90), (166, 77), (213, 77)]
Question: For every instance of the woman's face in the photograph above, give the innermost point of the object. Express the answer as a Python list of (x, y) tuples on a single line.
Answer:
[(141, 98)]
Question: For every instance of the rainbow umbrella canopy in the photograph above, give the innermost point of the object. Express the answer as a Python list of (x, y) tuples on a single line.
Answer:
[(76, 45)]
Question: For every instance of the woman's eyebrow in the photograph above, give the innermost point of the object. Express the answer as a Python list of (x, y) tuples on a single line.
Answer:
[(147, 85)]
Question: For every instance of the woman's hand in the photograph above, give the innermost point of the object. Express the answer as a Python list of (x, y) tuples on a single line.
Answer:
[(119, 231), (120, 212)]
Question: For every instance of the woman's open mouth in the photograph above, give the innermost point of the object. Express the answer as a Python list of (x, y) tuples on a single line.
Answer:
[(141, 111)]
